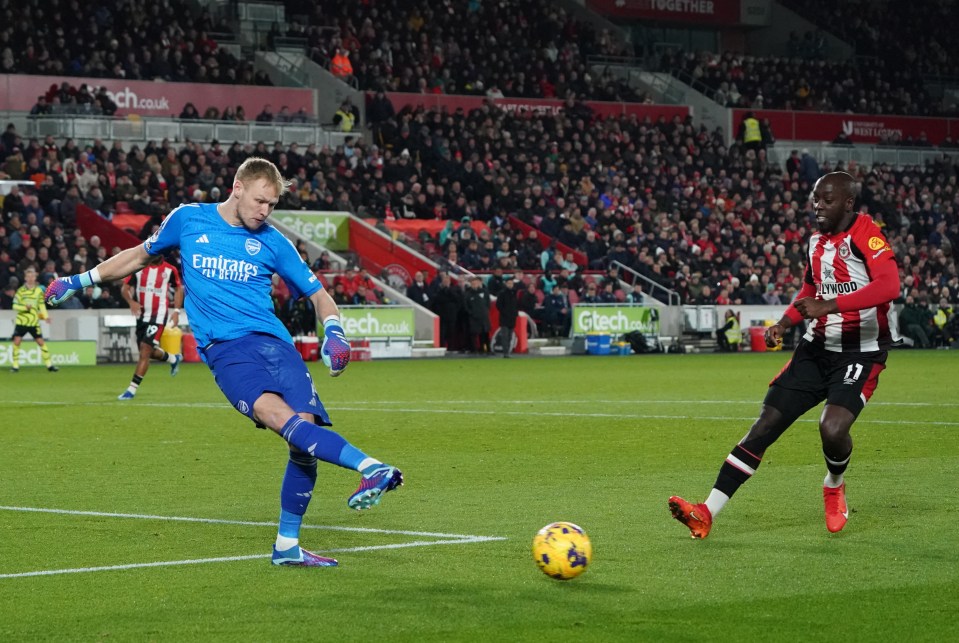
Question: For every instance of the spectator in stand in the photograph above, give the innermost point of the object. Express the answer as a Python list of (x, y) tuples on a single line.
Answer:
[(41, 108), (636, 295), (379, 112), (265, 116), (607, 295), (340, 65), (590, 294), (916, 322), (363, 296), (340, 295), (842, 139), (284, 116), (189, 112)]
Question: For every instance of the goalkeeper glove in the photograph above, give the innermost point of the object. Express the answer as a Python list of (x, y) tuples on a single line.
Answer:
[(63, 288), (335, 350)]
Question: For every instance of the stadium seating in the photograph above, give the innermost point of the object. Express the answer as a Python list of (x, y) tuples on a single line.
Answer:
[(668, 199), (511, 48)]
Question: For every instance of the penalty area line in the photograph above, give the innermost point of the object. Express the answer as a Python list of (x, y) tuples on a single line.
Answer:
[(244, 523), (231, 559)]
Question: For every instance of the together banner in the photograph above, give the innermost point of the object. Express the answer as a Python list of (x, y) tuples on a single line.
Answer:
[(614, 318), (69, 353)]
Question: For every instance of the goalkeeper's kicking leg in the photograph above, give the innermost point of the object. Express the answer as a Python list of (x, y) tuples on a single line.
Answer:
[(266, 380), (309, 442)]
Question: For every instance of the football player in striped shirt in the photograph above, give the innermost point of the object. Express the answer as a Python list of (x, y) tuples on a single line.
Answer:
[(28, 302), (850, 280), (147, 292)]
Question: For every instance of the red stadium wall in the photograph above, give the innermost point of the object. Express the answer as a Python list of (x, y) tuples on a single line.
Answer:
[(91, 223), (705, 12), (533, 105), (146, 98), (860, 128), (379, 252)]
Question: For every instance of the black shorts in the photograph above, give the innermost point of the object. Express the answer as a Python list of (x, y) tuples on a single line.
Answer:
[(149, 333), (23, 331), (815, 374)]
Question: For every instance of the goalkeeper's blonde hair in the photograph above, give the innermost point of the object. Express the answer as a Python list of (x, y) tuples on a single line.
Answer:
[(255, 168)]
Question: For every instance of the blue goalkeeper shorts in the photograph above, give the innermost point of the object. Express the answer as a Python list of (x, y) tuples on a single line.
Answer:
[(247, 367)]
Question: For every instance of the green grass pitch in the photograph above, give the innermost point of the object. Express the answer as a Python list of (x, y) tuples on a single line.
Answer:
[(492, 450)]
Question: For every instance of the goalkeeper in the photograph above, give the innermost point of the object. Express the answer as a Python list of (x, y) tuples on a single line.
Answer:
[(229, 255)]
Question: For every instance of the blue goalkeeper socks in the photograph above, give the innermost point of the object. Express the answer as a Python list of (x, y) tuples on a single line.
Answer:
[(295, 495), (324, 444)]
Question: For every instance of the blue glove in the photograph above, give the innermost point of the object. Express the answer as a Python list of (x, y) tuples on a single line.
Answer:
[(335, 350), (63, 288)]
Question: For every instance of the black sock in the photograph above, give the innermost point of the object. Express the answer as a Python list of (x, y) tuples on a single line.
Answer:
[(837, 466), (740, 465)]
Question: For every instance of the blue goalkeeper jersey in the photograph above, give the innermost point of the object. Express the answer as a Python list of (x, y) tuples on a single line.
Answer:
[(227, 271)]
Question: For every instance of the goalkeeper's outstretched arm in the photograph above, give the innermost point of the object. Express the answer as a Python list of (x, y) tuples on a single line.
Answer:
[(116, 267)]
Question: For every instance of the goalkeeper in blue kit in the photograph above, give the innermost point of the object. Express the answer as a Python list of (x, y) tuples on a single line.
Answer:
[(229, 254)]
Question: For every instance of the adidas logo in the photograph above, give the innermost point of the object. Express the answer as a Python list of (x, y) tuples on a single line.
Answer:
[(203, 239)]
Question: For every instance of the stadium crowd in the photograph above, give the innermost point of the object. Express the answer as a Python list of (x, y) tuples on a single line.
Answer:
[(135, 40), (862, 86), (666, 199), (532, 49), (909, 36)]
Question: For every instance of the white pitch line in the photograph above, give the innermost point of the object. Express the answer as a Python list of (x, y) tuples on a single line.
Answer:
[(229, 559), (751, 402), (624, 416), (246, 523)]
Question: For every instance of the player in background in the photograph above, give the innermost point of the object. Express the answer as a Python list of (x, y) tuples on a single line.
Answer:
[(30, 307), (228, 255), (850, 279), (147, 292)]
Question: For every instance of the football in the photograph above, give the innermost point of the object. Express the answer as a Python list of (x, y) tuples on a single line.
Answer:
[(562, 550)]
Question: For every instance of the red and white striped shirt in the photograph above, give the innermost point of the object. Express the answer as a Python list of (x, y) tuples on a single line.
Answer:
[(857, 267), (152, 290)]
